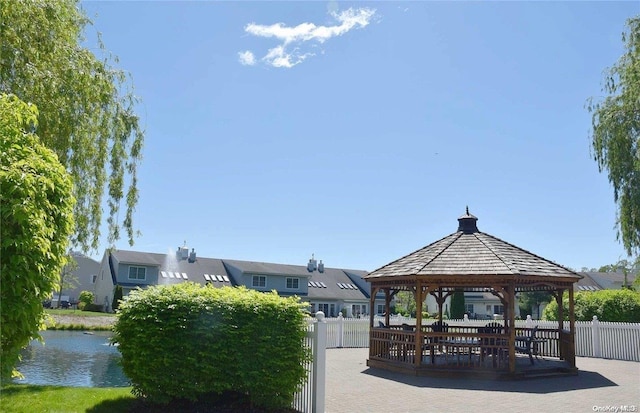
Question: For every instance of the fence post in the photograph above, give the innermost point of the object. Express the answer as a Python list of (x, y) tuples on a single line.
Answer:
[(319, 363), (340, 331), (529, 322), (595, 337)]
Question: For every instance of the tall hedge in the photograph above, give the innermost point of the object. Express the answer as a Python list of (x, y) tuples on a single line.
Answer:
[(607, 305), (187, 341)]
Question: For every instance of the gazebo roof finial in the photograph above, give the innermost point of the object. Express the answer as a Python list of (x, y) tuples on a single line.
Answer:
[(467, 223)]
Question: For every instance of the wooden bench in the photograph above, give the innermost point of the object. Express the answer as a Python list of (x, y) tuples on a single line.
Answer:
[(524, 344)]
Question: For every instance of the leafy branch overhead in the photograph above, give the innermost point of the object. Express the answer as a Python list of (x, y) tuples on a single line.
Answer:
[(616, 134), (86, 109), (36, 208)]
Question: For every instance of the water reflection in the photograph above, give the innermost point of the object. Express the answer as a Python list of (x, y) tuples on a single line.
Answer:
[(72, 358)]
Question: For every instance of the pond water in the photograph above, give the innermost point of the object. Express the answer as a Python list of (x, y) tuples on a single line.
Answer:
[(72, 358)]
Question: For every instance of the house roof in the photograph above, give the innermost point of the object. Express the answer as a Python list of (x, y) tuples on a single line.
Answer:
[(172, 271), (469, 251), (139, 257), (332, 283), (609, 280), (252, 267), (587, 283)]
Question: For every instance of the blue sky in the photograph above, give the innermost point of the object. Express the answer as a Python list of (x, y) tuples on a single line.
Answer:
[(360, 131)]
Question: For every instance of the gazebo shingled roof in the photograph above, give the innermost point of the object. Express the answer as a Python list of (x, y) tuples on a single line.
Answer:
[(469, 251)]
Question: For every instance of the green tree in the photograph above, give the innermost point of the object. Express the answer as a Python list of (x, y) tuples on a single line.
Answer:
[(457, 304), (117, 297), (68, 279), (531, 300), (86, 108), (405, 303), (616, 135), (36, 206)]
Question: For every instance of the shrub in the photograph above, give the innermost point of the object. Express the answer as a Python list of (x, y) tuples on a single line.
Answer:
[(85, 297), (185, 341), (607, 305), (96, 308)]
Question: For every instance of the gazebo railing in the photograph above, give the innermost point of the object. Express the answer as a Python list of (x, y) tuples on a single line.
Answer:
[(459, 346)]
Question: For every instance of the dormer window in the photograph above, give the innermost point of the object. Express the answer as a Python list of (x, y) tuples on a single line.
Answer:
[(137, 273), (259, 281), (293, 283)]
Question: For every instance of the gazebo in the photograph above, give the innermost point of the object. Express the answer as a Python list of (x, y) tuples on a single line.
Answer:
[(469, 260)]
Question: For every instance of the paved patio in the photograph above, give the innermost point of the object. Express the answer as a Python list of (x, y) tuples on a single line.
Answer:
[(600, 384)]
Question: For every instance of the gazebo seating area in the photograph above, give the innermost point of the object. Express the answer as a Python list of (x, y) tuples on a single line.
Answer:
[(472, 261)]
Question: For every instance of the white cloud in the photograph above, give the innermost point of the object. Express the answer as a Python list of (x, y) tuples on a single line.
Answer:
[(246, 58), (288, 53), (278, 57)]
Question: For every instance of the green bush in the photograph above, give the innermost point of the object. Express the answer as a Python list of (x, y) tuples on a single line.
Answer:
[(185, 341), (85, 297), (607, 305), (96, 308)]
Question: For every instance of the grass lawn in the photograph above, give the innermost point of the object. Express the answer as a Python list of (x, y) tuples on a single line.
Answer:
[(23, 398), (76, 313)]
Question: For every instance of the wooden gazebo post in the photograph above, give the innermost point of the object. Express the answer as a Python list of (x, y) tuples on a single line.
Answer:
[(372, 301), (418, 332), (559, 296), (571, 357), (512, 325)]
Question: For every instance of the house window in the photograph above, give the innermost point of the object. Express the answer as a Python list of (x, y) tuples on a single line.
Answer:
[(293, 283), (468, 308), (498, 309), (137, 273), (259, 281), (93, 279), (358, 309), (329, 310), (380, 309)]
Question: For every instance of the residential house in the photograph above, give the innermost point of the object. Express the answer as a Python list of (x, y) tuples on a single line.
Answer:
[(610, 280), (331, 290), (80, 278)]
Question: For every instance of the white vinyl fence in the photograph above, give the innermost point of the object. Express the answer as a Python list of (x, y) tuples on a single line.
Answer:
[(619, 341), (310, 397)]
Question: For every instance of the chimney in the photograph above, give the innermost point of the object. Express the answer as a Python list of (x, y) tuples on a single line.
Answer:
[(192, 255), (320, 266), (182, 253), (312, 265)]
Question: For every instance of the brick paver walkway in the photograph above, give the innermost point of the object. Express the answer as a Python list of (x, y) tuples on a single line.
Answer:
[(600, 384)]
